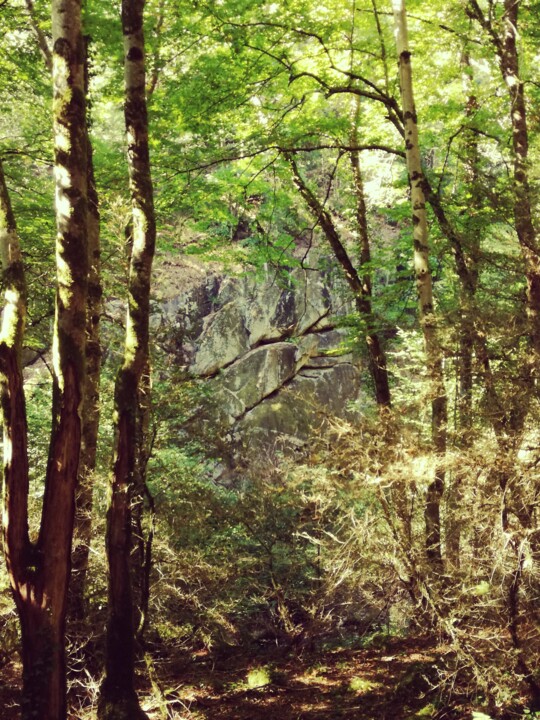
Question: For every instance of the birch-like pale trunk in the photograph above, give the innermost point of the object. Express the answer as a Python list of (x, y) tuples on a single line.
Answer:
[(434, 358), (118, 699)]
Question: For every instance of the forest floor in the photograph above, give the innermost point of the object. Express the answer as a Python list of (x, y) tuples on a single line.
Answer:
[(392, 679)]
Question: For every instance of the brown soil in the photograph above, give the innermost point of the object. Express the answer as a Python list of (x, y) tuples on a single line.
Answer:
[(395, 681)]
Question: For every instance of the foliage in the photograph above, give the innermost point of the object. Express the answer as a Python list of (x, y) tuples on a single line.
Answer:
[(333, 545)]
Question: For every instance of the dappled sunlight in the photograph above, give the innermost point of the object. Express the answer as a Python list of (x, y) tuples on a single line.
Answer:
[(293, 471)]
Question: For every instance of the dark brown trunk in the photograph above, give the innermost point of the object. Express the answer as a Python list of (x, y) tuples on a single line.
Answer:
[(118, 699), (377, 356), (39, 573), (141, 556), (361, 292), (83, 503), (525, 229)]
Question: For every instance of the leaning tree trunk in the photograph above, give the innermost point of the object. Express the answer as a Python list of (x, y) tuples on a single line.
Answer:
[(118, 699), (39, 572), (434, 358), (360, 290), (377, 356)]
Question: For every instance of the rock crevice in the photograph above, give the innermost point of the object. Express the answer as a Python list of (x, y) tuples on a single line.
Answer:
[(271, 351)]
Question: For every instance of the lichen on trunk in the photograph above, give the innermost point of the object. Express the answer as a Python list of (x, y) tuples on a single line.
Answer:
[(428, 320), (39, 572), (118, 698)]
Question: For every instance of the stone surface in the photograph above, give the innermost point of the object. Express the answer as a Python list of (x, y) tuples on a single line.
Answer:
[(269, 346)]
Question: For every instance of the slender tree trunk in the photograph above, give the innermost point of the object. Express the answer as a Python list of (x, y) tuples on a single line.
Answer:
[(118, 699), (360, 290), (156, 61), (377, 356), (505, 46), (434, 357), (522, 194), (467, 309), (141, 555), (146, 569), (509, 417), (39, 572), (84, 501), (468, 289)]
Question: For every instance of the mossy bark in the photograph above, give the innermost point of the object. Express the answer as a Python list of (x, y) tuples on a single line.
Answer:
[(84, 497), (118, 698), (39, 572)]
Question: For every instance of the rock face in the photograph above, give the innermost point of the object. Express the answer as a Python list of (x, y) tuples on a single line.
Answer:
[(269, 348)]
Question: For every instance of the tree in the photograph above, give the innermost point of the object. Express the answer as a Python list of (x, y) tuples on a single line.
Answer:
[(424, 287), (39, 570), (361, 288), (118, 698), (504, 42)]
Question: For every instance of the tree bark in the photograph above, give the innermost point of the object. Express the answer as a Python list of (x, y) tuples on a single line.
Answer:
[(82, 531), (377, 356), (505, 46), (39, 572), (525, 229), (118, 698), (434, 359), (84, 497), (360, 289), (467, 312)]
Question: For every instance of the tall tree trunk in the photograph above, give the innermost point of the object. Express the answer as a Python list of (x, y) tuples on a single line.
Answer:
[(510, 418), (525, 229), (82, 531), (434, 357), (377, 356), (118, 698), (467, 310), (360, 290), (83, 502), (17, 547), (142, 502), (39, 572), (505, 46)]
